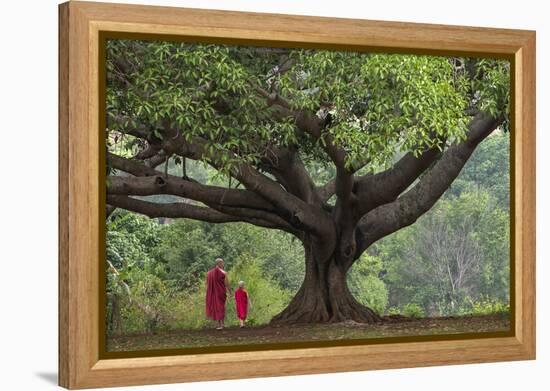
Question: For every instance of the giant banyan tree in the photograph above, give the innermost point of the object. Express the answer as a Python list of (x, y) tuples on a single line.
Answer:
[(393, 131)]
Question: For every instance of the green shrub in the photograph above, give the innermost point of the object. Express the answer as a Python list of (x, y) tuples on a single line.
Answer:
[(484, 306), (394, 311), (412, 310)]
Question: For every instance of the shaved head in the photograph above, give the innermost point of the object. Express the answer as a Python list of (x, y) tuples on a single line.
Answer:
[(219, 262)]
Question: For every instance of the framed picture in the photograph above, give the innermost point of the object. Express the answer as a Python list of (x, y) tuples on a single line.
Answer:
[(246, 195)]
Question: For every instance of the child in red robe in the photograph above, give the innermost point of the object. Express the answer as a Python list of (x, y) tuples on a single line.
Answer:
[(242, 301)]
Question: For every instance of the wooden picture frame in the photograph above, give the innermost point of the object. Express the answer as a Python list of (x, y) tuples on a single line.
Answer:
[(80, 198)]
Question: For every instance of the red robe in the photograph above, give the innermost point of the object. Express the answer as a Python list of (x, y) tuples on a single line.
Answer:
[(241, 299), (215, 294)]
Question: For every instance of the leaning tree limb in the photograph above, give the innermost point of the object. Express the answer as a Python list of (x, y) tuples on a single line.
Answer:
[(406, 209), (148, 181), (377, 189), (181, 210)]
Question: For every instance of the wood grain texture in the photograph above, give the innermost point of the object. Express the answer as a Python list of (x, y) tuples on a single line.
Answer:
[(79, 201), (526, 186), (63, 220)]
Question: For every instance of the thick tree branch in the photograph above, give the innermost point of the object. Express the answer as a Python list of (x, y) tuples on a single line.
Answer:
[(289, 170), (327, 190), (313, 126), (140, 130), (172, 210), (406, 209), (307, 123), (378, 189), (343, 184), (149, 181), (160, 184), (343, 214), (238, 203), (255, 215), (384, 187), (181, 210), (300, 214), (131, 166)]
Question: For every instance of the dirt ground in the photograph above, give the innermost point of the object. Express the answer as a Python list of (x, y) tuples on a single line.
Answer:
[(390, 327)]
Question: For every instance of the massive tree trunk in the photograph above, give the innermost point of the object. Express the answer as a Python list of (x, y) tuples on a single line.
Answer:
[(324, 295)]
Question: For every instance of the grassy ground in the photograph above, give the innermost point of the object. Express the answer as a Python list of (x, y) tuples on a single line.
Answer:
[(309, 332)]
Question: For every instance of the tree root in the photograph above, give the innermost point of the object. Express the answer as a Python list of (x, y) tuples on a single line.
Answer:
[(301, 310)]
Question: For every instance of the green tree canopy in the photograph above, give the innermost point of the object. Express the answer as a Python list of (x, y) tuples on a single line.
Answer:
[(379, 104)]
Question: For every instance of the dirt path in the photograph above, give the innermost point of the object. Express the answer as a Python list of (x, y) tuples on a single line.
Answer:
[(309, 332)]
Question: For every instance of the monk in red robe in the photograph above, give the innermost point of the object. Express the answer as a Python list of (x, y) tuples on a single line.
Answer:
[(217, 285), (242, 302)]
